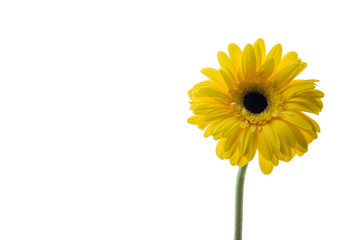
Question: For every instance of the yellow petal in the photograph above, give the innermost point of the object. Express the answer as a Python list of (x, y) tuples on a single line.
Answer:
[(232, 152), (230, 141), (296, 118), (217, 136), (310, 135), (264, 146), (284, 76), (248, 143), (300, 151), (301, 107), (283, 131), (287, 58), (315, 124), (248, 62), (252, 146), (267, 69), (224, 61), (213, 92), (235, 54), (206, 83), (258, 54), (310, 101), (297, 88), (228, 78), (265, 165), (208, 131), (222, 100), (285, 148), (277, 155), (271, 135), (300, 138), (217, 115), (310, 121), (276, 53), (242, 162), (220, 148), (289, 158), (214, 75), (245, 140), (202, 108), (219, 126), (300, 68), (235, 159), (202, 124), (262, 46), (241, 137), (312, 93), (193, 92), (194, 119), (231, 126), (275, 161), (301, 81)]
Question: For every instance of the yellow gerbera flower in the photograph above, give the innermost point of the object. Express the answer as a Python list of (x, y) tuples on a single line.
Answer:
[(253, 103)]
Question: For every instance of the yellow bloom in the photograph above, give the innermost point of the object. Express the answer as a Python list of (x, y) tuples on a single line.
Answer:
[(253, 103)]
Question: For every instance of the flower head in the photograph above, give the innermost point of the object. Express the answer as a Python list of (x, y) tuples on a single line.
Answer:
[(253, 103)]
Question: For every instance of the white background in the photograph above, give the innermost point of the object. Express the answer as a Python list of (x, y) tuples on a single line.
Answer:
[(94, 142)]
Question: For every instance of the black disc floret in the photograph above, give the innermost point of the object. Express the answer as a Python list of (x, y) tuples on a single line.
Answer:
[(255, 102)]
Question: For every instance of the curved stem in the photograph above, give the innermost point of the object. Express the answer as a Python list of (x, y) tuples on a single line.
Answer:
[(239, 202)]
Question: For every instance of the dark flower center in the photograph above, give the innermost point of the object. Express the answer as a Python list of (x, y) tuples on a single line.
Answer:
[(255, 102)]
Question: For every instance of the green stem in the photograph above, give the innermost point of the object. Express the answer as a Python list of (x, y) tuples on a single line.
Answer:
[(239, 202)]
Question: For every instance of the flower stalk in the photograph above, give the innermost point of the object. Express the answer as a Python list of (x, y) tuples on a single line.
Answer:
[(239, 202)]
